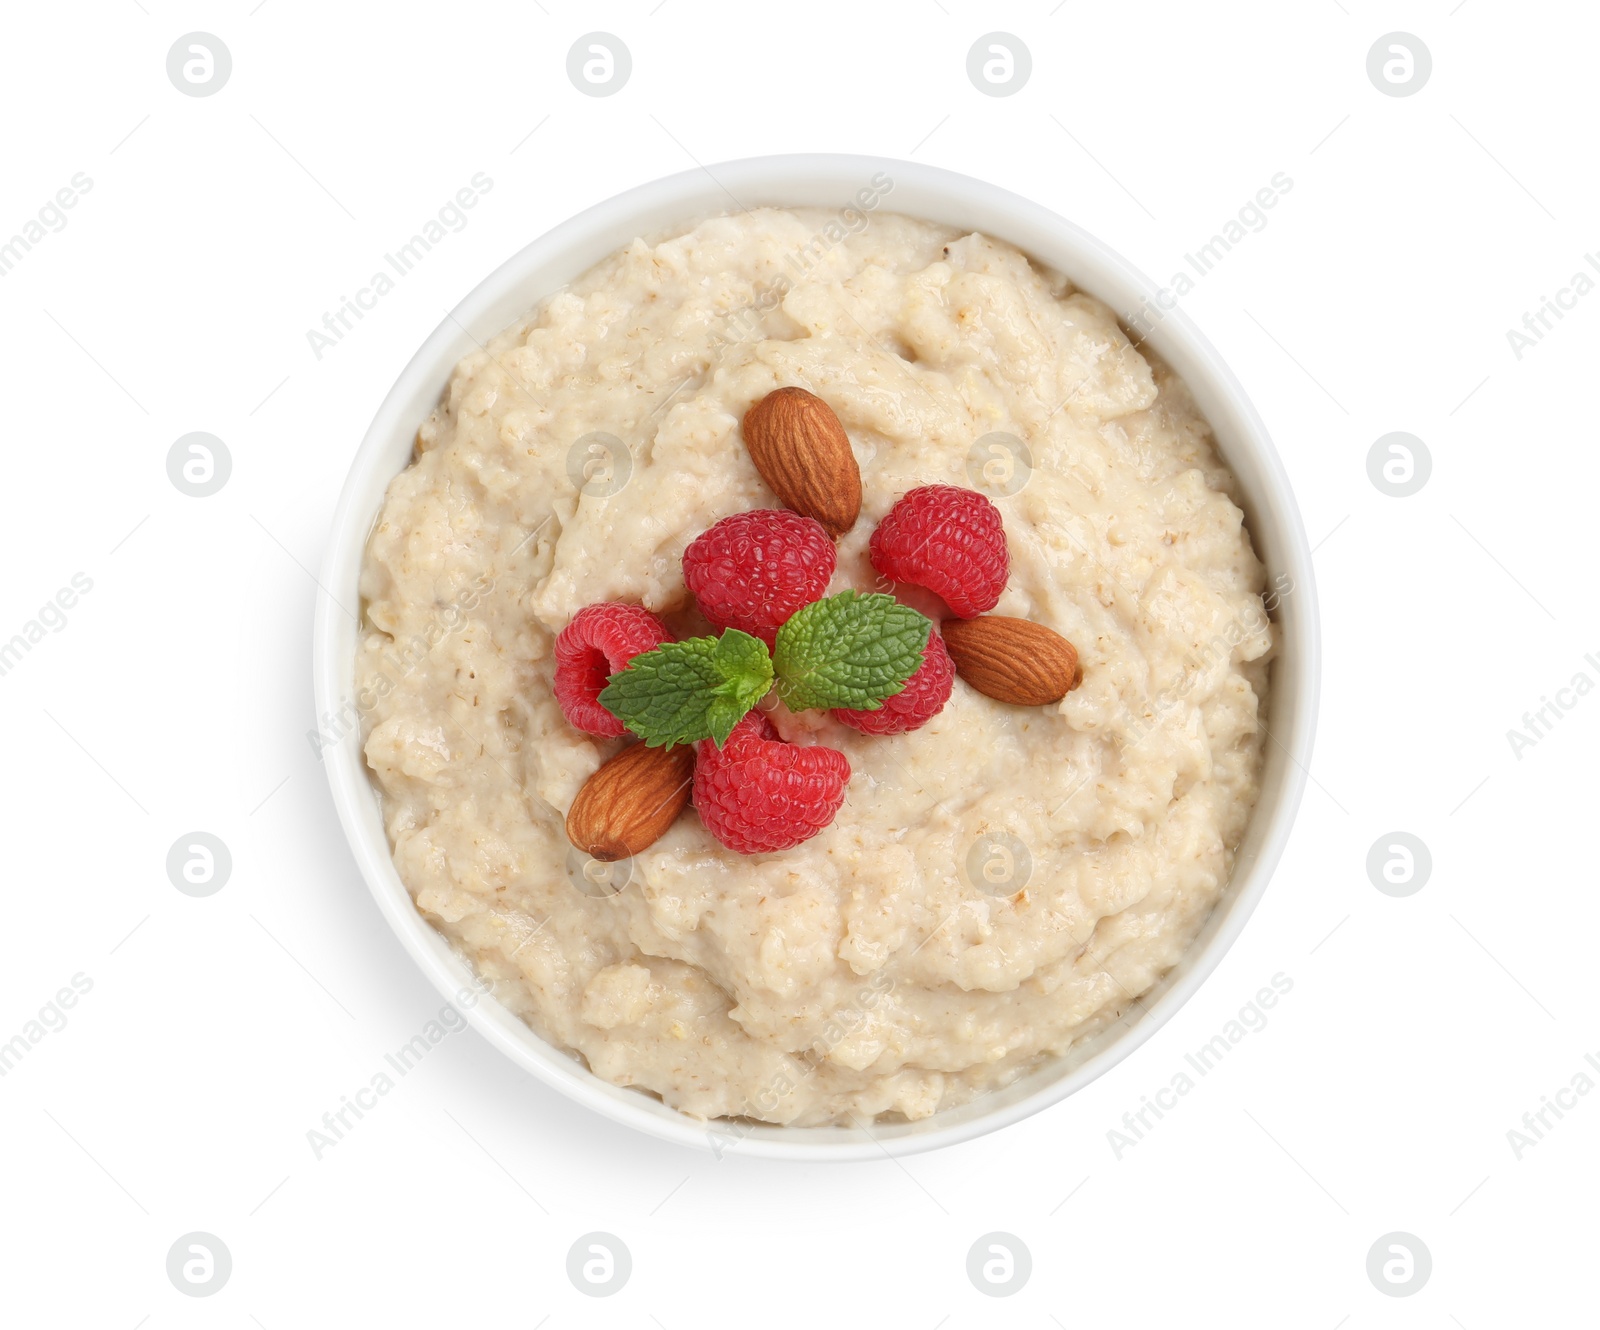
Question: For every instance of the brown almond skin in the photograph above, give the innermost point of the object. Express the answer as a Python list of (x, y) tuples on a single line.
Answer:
[(803, 453), (1013, 660), (628, 804)]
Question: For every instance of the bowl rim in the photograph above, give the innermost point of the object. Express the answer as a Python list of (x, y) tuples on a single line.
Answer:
[(802, 180)]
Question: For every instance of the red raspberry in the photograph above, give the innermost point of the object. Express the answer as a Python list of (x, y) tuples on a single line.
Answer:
[(949, 540), (917, 703), (599, 641), (757, 794), (753, 570)]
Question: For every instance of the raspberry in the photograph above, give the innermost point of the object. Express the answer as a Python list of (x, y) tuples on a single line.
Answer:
[(757, 794), (917, 703), (599, 641), (753, 570), (949, 540)]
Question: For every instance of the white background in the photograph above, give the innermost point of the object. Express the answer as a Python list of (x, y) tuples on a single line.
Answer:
[(177, 697)]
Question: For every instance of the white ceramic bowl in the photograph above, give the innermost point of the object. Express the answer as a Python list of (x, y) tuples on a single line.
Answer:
[(826, 181)]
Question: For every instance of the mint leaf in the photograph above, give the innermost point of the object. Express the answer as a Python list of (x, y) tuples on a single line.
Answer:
[(746, 666), (849, 650), (684, 691)]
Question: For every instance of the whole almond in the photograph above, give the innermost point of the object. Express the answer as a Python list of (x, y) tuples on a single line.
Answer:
[(630, 802), (803, 453), (1013, 660)]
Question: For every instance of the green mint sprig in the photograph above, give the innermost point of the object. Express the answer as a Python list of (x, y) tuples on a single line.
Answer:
[(846, 650)]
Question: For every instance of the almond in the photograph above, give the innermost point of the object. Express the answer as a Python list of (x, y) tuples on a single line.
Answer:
[(803, 453), (1013, 660), (630, 802)]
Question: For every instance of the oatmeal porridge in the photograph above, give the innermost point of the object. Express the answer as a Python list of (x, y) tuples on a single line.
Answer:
[(1000, 882)]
